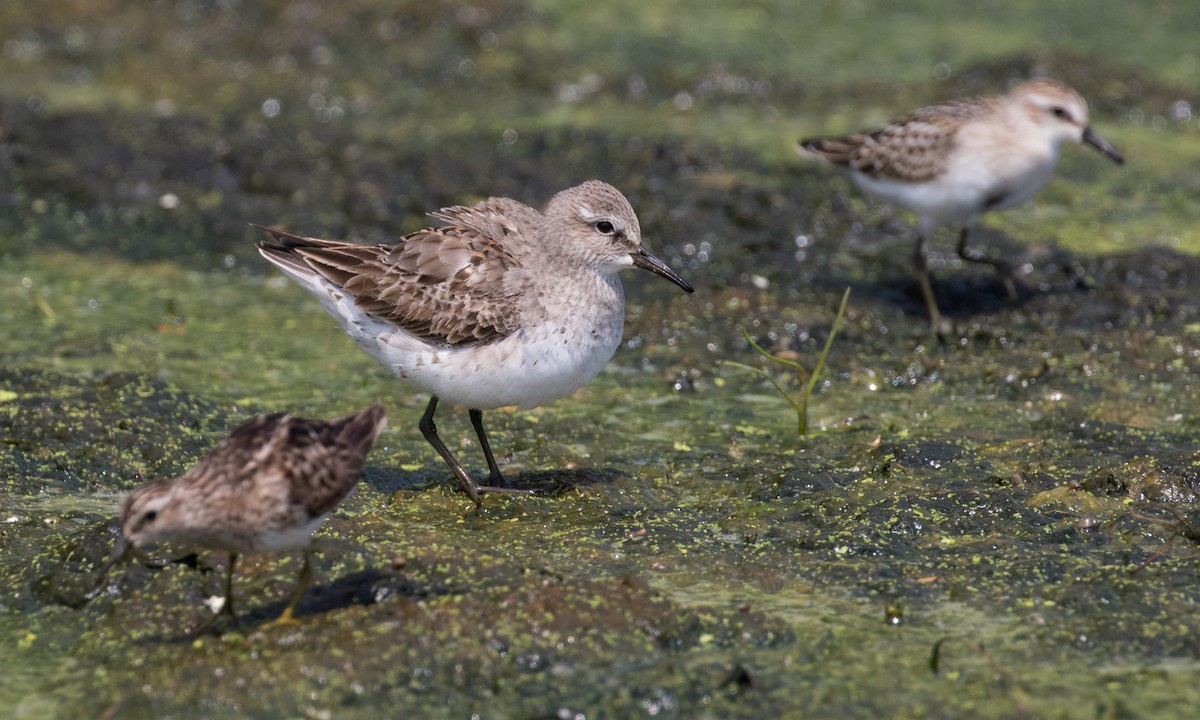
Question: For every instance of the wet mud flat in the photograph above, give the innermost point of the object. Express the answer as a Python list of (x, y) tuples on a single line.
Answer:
[(995, 523), (977, 524)]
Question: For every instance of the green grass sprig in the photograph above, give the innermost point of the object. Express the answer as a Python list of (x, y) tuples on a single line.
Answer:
[(808, 378)]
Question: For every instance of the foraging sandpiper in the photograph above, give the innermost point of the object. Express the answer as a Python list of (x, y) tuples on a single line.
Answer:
[(265, 487)]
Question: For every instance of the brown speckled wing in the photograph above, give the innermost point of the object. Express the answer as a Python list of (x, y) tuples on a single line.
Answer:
[(912, 149), (240, 454), (320, 461), (325, 459), (500, 218), (453, 285)]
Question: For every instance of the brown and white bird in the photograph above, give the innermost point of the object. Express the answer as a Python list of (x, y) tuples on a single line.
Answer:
[(267, 486), (952, 162), (503, 305)]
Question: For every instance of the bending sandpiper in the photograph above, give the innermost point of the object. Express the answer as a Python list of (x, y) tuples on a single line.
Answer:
[(502, 305), (267, 486), (949, 163)]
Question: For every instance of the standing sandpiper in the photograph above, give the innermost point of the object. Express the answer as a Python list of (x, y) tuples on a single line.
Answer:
[(266, 487), (501, 306), (950, 163)]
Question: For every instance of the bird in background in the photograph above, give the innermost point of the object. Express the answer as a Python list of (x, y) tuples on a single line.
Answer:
[(952, 162)]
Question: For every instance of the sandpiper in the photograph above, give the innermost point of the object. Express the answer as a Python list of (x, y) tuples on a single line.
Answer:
[(949, 163), (265, 487), (500, 306)]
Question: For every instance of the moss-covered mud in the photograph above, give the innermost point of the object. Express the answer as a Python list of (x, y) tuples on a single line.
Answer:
[(995, 524)]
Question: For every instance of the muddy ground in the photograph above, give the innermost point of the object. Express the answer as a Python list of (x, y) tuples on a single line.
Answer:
[(997, 522)]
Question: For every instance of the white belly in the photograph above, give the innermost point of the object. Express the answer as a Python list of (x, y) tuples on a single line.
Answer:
[(544, 361), (972, 183), (528, 368), (270, 540)]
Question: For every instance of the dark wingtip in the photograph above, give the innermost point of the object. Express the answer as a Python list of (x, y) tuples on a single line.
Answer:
[(376, 416), (360, 429), (279, 240), (813, 147)]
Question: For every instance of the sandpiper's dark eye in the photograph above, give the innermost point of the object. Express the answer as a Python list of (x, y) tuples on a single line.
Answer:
[(1058, 111), (604, 227), (149, 516)]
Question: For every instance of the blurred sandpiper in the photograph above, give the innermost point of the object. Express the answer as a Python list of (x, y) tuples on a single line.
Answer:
[(267, 486), (950, 163)]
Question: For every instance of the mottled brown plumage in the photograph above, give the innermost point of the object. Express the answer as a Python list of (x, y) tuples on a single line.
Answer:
[(504, 305), (431, 283), (912, 149), (267, 486), (459, 284), (949, 163)]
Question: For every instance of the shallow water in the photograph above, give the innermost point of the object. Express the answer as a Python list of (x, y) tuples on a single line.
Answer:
[(967, 531)]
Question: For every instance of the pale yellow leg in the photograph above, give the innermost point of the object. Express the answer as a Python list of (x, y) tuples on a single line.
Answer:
[(287, 617), (922, 272)]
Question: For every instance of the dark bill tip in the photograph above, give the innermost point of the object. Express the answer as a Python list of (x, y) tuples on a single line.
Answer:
[(646, 261), (1091, 138)]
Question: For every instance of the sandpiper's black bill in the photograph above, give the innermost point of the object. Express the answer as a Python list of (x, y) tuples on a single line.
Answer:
[(1091, 138), (120, 549), (646, 261)]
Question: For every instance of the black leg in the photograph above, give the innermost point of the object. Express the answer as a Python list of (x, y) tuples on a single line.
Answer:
[(429, 430), (474, 491), (1004, 269), (227, 606), (496, 478)]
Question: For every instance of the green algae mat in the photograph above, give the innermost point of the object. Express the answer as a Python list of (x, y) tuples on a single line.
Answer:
[(996, 523)]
